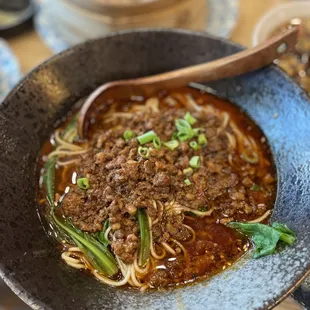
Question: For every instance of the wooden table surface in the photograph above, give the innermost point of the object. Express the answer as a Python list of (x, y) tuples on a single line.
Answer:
[(31, 51)]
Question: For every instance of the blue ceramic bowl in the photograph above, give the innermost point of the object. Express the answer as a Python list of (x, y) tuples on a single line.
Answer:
[(31, 265)]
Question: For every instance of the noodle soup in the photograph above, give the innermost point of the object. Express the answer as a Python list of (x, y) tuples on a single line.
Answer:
[(146, 200)]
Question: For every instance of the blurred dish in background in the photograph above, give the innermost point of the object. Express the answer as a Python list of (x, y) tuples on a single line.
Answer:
[(9, 69), (218, 18), (282, 17), (14, 15)]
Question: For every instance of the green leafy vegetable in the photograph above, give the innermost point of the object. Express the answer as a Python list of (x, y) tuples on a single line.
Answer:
[(101, 235), (194, 145), (194, 162), (255, 188), (157, 143), (144, 152), (48, 179), (145, 244), (83, 183), (202, 139), (172, 145), (265, 237), (128, 135), (99, 256), (147, 137), (190, 119), (187, 182)]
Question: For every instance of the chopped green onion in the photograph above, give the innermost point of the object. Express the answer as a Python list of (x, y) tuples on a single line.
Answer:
[(157, 143), (83, 183), (188, 171), (185, 130), (203, 209), (187, 182), (128, 135), (250, 159), (174, 136), (145, 236), (197, 131), (144, 152), (172, 145), (194, 145), (147, 137), (255, 188), (202, 139), (190, 119), (195, 162), (184, 136)]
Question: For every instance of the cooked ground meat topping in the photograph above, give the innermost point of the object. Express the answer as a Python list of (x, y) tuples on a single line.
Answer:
[(164, 181)]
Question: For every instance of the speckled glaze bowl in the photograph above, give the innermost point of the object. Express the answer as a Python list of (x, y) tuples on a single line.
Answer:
[(30, 264)]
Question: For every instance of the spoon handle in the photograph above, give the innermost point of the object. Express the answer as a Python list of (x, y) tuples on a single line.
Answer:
[(245, 61)]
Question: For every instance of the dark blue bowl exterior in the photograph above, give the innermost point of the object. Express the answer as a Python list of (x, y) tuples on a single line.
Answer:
[(30, 264)]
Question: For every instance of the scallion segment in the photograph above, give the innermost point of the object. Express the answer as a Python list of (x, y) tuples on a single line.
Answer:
[(194, 162), (188, 171), (83, 183), (145, 236), (157, 143), (194, 145), (147, 137), (144, 152), (190, 119), (202, 139), (185, 130), (187, 182), (171, 145), (128, 135)]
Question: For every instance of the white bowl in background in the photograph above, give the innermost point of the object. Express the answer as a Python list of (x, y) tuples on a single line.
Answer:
[(278, 16)]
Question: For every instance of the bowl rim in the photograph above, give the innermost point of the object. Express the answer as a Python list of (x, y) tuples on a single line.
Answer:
[(273, 13), (14, 284)]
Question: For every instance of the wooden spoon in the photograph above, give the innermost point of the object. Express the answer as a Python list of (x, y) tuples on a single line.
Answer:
[(233, 65)]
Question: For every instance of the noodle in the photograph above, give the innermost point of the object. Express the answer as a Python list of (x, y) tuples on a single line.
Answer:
[(169, 248), (261, 218), (112, 282), (192, 232), (139, 269)]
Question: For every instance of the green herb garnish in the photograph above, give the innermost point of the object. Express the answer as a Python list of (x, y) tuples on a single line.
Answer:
[(128, 135), (83, 183), (190, 119), (157, 143), (147, 137), (145, 236), (144, 152), (194, 145), (185, 130), (187, 182), (194, 162), (171, 145), (203, 209), (202, 139), (255, 188), (265, 238)]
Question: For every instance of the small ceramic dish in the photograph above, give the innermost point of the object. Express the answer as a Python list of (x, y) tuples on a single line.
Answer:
[(278, 16)]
